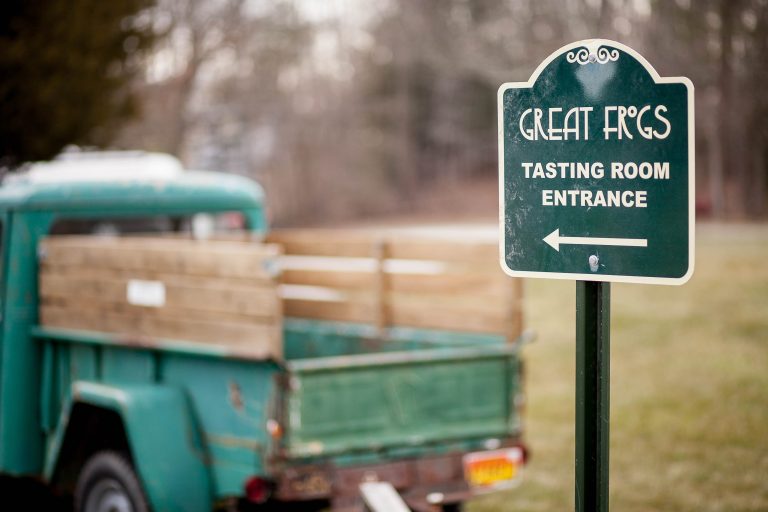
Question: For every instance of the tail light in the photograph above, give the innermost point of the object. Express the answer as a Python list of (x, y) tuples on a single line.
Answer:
[(257, 489), (525, 451)]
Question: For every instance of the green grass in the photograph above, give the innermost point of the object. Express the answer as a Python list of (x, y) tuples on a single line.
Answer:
[(689, 388)]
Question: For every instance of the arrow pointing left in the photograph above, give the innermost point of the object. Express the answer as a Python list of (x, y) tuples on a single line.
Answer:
[(554, 240)]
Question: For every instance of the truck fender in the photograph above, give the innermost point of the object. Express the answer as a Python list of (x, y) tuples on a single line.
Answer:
[(165, 445)]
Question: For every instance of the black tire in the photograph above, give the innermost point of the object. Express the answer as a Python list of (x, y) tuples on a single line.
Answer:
[(282, 506), (108, 483), (453, 507)]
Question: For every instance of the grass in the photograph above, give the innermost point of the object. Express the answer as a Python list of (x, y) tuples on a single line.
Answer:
[(689, 388)]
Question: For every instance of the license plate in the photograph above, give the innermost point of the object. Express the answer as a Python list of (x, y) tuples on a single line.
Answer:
[(492, 468)]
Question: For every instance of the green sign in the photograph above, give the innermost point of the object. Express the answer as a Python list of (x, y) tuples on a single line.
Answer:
[(596, 169)]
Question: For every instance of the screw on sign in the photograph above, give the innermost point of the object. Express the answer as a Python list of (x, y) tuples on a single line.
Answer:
[(596, 184)]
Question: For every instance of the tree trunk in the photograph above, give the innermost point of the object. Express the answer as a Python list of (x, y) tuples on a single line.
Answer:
[(759, 174), (730, 158), (604, 18), (181, 115)]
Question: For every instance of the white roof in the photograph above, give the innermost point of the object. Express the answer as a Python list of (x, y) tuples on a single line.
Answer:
[(75, 166)]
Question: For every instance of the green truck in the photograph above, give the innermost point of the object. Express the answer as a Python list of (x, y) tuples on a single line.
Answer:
[(127, 425)]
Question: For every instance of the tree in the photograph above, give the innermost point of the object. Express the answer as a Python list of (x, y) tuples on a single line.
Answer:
[(220, 92), (721, 45), (351, 108), (65, 70), (434, 97)]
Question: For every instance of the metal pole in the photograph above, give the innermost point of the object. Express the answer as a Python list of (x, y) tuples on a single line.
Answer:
[(593, 383)]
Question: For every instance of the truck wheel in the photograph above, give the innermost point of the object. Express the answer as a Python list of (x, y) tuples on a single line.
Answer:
[(108, 483)]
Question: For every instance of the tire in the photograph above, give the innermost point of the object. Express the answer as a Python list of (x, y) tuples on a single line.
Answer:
[(278, 506), (453, 507), (108, 483)]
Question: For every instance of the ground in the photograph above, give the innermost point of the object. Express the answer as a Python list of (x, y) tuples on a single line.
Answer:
[(689, 390)]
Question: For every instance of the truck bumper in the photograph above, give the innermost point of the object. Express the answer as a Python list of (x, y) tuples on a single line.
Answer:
[(426, 484)]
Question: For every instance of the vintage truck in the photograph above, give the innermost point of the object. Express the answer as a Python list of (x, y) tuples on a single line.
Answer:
[(139, 422)]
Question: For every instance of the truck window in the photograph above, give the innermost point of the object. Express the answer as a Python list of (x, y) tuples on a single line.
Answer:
[(200, 225)]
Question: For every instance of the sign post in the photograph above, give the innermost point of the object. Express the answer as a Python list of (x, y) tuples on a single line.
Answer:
[(596, 175), (593, 382)]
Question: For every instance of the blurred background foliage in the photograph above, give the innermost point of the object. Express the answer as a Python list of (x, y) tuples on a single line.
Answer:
[(64, 66), (345, 109)]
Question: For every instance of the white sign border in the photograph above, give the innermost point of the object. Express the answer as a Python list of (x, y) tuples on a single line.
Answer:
[(596, 43)]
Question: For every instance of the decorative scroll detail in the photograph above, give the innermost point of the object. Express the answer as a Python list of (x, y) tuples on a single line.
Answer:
[(600, 55), (604, 55), (581, 56)]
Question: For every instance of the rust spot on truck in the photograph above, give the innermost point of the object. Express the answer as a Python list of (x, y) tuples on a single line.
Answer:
[(236, 396), (234, 442)]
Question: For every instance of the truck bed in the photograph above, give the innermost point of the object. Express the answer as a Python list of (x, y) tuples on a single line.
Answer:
[(416, 393), (415, 388)]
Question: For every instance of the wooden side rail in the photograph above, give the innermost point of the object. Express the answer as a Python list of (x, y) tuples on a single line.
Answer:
[(164, 288), (392, 280)]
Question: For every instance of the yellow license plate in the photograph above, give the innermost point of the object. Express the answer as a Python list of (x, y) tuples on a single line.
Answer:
[(492, 468)]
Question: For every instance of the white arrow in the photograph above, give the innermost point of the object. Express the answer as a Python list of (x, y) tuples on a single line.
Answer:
[(554, 240)]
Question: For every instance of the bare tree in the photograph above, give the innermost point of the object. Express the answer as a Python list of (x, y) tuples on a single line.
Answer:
[(363, 110)]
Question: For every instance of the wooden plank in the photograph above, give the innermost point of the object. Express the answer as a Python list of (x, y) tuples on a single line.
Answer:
[(181, 257), (475, 284), (412, 313), (227, 298), (357, 245), (329, 279), (259, 340), (514, 304), (51, 246), (108, 306), (50, 268), (339, 311), (480, 253), (234, 236), (165, 241), (380, 250), (447, 317), (490, 284), (471, 304), (485, 284), (322, 243), (450, 312)]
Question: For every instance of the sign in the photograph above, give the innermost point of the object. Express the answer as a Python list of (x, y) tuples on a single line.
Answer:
[(596, 169), (145, 293)]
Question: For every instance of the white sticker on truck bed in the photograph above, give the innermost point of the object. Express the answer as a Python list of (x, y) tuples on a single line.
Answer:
[(146, 293)]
